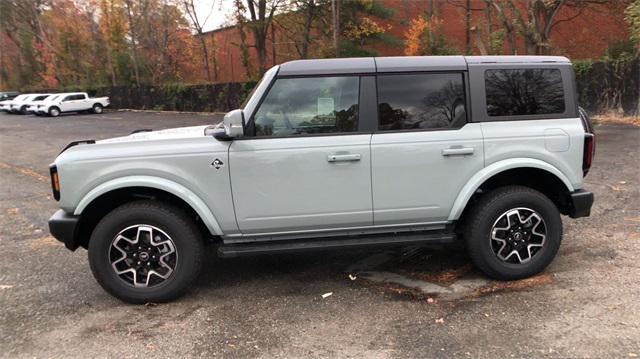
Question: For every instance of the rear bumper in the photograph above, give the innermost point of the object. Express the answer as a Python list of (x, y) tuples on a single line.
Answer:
[(580, 202), (64, 227)]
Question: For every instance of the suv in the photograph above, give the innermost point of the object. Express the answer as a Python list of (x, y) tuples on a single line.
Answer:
[(339, 153)]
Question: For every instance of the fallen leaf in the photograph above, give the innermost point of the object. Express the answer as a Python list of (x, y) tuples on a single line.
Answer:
[(633, 355), (352, 277), (6, 286), (440, 321), (325, 295), (430, 300)]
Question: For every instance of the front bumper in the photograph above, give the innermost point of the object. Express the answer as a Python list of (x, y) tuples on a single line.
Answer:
[(64, 227), (580, 203)]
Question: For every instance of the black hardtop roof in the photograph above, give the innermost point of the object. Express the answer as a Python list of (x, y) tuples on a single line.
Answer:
[(363, 65)]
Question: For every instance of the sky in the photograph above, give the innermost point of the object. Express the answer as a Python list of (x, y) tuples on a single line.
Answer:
[(222, 10)]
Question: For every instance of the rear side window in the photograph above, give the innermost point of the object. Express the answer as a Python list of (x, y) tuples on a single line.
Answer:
[(421, 101), (301, 106), (518, 92)]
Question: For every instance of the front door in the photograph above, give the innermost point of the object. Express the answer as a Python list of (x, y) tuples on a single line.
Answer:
[(302, 165), (424, 151)]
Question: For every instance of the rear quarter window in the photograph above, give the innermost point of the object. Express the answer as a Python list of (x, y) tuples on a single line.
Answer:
[(517, 92)]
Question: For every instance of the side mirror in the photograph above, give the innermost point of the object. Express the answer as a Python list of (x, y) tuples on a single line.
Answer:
[(233, 124)]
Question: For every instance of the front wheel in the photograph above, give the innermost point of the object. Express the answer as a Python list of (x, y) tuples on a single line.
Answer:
[(54, 112), (146, 251), (513, 232)]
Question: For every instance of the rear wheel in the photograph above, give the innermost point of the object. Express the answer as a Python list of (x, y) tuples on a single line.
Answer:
[(97, 108), (513, 232), (54, 112), (146, 251)]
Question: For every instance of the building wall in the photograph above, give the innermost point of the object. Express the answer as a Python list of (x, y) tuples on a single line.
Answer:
[(579, 33)]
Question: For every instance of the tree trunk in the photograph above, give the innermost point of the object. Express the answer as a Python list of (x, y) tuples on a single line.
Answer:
[(134, 46), (335, 9), (306, 35)]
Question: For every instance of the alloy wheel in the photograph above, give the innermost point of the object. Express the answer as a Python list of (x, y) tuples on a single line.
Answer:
[(518, 235), (143, 256)]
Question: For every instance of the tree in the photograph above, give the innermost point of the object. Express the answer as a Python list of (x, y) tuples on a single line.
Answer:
[(535, 19), (261, 16), (198, 25), (632, 16)]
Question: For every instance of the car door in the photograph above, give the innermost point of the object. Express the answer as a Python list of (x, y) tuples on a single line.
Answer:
[(425, 150), (303, 164), (67, 103)]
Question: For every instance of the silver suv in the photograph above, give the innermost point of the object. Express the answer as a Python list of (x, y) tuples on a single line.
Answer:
[(339, 153)]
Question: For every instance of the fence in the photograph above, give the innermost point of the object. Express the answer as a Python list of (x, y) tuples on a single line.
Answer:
[(602, 86)]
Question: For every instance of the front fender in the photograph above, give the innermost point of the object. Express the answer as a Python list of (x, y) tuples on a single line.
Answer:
[(172, 187), (479, 178)]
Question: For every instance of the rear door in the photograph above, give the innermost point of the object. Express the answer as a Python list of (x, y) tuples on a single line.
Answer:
[(304, 164), (425, 149)]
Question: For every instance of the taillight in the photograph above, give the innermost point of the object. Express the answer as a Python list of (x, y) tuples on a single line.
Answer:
[(55, 182), (588, 152)]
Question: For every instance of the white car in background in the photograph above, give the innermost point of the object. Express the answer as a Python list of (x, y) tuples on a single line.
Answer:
[(37, 106), (20, 106), (6, 105), (75, 102), (30, 105)]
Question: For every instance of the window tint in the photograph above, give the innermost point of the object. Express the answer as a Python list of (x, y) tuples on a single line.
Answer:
[(517, 92), (421, 101), (40, 98), (296, 106)]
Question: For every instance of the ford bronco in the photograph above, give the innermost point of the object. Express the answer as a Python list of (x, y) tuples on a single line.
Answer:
[(339, 153)]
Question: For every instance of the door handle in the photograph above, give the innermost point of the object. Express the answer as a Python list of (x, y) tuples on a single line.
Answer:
[(457, 151), (344, 158)]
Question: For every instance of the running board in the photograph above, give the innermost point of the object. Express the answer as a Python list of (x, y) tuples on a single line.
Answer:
[(305, 245)]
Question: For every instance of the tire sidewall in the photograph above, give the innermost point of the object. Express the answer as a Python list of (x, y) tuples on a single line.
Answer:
[(185, 240), (481, 242)]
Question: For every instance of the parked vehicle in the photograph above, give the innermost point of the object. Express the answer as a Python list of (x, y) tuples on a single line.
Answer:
[(75, 102), (6, 105), (31, 104), (8, 95), (37, 107), (339, 153), (19, 105)]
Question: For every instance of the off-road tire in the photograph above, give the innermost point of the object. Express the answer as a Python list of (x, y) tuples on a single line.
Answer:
[(480, 221), (175, 223)]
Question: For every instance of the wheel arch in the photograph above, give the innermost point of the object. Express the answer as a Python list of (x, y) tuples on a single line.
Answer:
[(109, 195), (533, 173)]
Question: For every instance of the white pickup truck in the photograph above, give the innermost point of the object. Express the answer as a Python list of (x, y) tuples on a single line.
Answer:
[(75, 102)]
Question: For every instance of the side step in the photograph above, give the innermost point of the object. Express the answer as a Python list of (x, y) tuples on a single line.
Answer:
[(315, 244)]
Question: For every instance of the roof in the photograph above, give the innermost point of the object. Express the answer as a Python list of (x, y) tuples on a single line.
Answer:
[(364, 65)]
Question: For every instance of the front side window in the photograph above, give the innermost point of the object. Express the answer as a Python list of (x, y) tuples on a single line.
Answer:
[(421, 101), (517, 92), (298, 106)]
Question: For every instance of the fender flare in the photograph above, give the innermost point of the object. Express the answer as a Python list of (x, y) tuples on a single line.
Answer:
[(495, 168), (166, 185)]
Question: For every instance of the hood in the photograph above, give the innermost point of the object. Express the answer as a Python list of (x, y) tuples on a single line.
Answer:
[(168, 134)]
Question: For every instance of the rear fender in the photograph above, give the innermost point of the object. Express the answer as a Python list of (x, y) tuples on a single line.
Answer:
[(495, 168)]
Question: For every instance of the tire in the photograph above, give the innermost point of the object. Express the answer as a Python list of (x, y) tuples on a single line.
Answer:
[(54, 112), (23, 110), (493, 213), (184, 254), (97, 108)]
